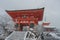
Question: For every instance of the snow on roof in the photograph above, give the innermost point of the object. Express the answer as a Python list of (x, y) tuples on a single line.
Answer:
[(49, 26)]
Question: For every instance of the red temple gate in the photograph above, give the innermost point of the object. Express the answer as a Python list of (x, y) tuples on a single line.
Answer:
[(26, 17)]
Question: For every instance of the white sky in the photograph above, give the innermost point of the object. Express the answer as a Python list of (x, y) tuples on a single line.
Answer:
[(52, 8)]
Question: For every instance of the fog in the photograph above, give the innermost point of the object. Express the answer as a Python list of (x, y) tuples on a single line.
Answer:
[(51, 11)]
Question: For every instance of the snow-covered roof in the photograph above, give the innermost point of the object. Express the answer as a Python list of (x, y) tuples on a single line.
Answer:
[(49, 26)]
